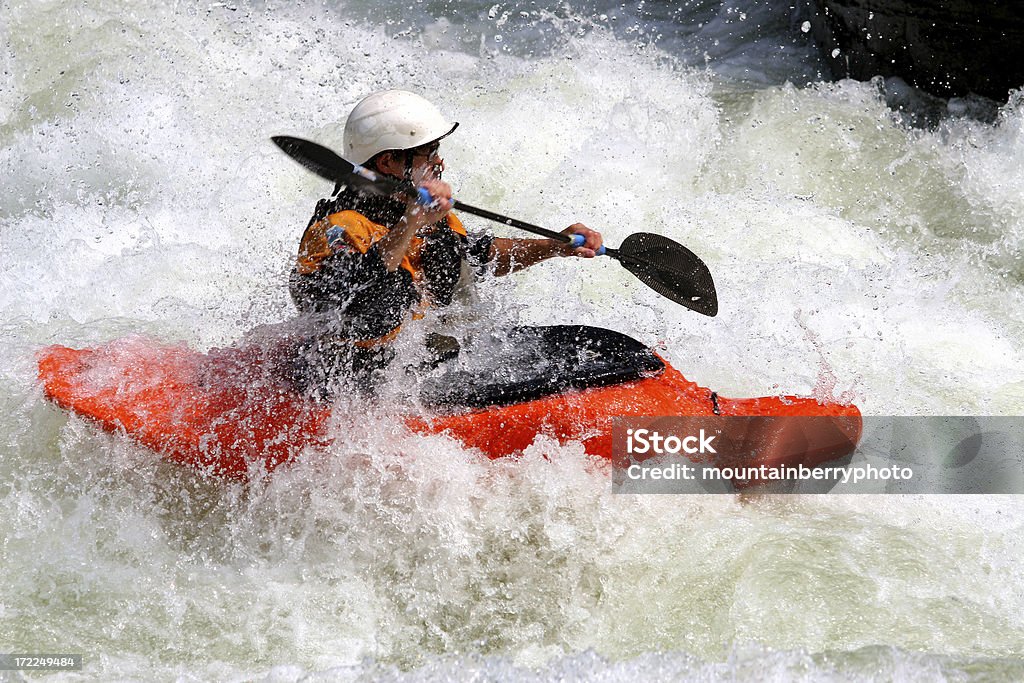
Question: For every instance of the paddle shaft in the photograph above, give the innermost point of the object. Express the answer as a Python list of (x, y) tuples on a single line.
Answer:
[(528, 227), (515, 223)]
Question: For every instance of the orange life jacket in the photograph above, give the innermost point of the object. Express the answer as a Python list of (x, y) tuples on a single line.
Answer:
[(338, 269)]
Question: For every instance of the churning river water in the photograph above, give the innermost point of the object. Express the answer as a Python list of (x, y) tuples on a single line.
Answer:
[(856, 257)]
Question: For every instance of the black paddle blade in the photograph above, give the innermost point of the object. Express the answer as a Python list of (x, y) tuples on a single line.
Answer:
[(316, 158), (330, 166), (670, 269)]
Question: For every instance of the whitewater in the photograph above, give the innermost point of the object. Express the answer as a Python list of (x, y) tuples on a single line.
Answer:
[(857, 257)]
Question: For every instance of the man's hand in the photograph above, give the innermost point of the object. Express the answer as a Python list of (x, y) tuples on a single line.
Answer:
[(428, 215), (592, 241)]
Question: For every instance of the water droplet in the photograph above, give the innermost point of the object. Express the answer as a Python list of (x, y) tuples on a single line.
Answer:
[(805, 27)]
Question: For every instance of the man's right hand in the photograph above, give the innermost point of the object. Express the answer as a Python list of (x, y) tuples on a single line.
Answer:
[(431, 213), (395, 245)]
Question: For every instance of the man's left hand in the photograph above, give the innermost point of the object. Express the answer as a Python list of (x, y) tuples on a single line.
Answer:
[(592, 241)]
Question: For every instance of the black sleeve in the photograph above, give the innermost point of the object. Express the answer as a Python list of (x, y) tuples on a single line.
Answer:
[(370, 300), (478, 250)]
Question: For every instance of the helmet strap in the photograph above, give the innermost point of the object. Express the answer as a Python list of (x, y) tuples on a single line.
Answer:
[(408, 165)]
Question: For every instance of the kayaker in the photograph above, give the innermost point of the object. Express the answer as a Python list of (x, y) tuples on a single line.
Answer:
[(366, 263)]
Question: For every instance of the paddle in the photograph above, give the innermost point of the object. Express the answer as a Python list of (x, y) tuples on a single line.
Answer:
[(665, 266)]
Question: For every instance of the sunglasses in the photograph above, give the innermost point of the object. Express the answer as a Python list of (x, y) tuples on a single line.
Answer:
[(429, 151)]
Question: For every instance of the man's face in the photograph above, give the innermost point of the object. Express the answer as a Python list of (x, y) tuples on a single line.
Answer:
[(427, 163)]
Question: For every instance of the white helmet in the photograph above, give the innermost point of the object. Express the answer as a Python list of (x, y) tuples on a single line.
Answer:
[(392, 119)]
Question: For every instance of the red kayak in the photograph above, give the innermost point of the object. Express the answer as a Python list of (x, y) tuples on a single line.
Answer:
[(217, 412)]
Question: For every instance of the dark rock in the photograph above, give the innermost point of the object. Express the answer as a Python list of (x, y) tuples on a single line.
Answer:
[(947, 48), (922, 110)]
